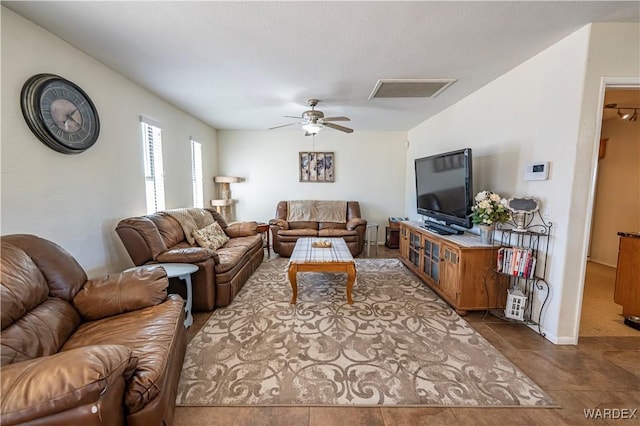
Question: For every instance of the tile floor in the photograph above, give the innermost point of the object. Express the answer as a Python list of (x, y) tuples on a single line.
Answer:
[(598, 373)]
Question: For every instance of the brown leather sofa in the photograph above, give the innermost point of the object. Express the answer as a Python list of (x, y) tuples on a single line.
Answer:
[(160, 238), (74, 351), (349, 226)]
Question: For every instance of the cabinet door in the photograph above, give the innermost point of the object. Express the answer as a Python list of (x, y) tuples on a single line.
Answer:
[(627, 287), (431, 259), (450, 277), (415, 248)]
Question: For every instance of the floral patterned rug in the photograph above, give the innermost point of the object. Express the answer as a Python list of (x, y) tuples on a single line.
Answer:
[(399, 344)]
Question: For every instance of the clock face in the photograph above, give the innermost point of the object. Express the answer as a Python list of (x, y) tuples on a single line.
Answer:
[(59, 113)]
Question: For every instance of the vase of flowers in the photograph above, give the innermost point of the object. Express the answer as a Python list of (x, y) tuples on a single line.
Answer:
[(488, 210)]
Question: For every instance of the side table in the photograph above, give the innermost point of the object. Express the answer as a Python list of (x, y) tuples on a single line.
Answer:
[(263, 228), (181, 271), (392, 239), (371, 226)]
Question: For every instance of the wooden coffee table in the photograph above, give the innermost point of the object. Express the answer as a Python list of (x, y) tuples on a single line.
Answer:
[(306, 258)]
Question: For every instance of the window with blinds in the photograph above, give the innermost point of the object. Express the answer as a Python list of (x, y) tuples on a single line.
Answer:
[(153, 170), (196, 174)]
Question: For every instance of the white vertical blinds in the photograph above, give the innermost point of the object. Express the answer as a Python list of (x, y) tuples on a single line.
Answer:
[(153, 169), (196, 174)]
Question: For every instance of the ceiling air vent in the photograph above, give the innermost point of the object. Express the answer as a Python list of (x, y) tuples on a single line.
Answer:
[(410, 88)]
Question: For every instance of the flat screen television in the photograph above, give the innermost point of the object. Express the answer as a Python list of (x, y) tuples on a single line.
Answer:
[(443, 191)]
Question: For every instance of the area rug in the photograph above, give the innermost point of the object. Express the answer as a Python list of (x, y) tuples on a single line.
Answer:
[(399, 344)]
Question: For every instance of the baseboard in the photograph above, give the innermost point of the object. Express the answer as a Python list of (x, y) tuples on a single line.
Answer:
[(565, 341), (603, 263), (555, 339)]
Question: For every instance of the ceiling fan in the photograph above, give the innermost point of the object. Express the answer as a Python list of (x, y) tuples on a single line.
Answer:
[(313, 121)]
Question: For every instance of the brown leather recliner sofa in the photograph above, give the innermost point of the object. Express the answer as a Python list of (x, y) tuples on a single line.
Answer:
[(160, 238), (317, 218), (78, 351)]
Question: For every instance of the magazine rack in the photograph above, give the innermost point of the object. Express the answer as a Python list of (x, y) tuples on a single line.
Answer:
[(522, 256)]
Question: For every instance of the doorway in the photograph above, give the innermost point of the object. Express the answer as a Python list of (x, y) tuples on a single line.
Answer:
[(615, 208)]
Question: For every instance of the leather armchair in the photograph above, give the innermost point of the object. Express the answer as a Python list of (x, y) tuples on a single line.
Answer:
[(74, 350)]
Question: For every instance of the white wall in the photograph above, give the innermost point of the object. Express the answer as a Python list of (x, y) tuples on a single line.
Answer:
[(617, 203), (369, 169), (538, 112), (516, 119), (76, 200)]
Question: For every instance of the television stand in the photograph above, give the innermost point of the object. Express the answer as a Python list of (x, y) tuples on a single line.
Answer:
[(441, 229), (459, 268)]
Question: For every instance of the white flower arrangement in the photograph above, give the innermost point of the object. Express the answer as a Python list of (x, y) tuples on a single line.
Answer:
[(489, 209)]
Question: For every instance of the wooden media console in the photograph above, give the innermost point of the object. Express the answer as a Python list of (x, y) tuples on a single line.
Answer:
[(459, 268)]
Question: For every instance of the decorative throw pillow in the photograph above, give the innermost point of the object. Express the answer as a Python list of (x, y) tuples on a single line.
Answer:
[(211, 236)]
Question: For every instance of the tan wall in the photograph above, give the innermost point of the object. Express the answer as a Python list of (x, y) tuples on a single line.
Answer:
[(617, 204)]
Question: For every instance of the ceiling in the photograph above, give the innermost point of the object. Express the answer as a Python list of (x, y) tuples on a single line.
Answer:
[(244, 65)]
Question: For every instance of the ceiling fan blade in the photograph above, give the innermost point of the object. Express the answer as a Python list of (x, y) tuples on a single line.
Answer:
[(337, 127), (284, 125), (336, 119), (291, 116)]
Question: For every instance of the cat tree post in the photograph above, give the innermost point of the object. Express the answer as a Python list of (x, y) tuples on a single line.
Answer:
[(225, 203)]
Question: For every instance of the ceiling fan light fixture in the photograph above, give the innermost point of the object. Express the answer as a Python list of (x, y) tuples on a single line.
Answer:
[(634, 117), (312, 128), (313, 121)]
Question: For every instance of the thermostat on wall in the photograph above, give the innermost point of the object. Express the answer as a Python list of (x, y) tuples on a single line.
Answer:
[(537, 171)]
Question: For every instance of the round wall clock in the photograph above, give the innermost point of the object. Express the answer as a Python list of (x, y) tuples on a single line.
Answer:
[(59, 113)]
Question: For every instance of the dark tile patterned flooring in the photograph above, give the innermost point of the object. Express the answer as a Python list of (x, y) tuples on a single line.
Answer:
[(599, 373)]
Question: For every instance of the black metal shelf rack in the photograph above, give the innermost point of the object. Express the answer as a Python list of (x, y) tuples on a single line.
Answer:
[(534, 236)]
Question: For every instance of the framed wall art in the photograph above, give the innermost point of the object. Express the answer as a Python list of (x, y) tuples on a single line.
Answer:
[(317, 166)]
